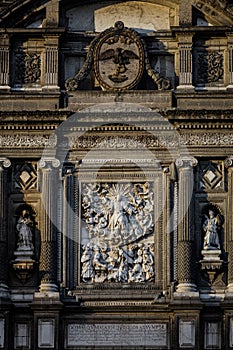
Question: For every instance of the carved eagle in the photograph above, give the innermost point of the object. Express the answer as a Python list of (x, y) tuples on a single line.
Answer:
[(119, 55)]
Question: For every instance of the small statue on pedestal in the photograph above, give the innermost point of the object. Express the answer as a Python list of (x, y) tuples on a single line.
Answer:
[(211, 262), (23, 264), (25, 233), (210, 227)]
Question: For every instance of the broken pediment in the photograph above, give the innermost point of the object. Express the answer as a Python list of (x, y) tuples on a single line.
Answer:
[(214, 12)]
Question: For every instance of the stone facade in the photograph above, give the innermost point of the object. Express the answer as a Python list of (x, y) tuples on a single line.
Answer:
[(116, 174)]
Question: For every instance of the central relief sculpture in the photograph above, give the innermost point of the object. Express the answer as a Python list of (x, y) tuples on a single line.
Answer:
[(117, 241)]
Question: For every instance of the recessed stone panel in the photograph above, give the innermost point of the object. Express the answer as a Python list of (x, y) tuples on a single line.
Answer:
[(154, 335)]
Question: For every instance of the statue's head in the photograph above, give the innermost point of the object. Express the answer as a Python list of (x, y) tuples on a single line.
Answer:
[(211, 214)]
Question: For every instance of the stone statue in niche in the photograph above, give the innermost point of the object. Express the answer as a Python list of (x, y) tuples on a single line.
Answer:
[(211, 227), (24, 228)]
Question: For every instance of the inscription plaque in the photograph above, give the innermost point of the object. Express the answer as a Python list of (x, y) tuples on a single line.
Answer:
[(113, 334)]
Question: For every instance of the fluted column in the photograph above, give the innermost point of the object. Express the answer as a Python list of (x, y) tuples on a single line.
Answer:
[(186, 266), (48, 257), (51, 63), (230, 60), (4, 292), (4, 62), (185, 44), (229, 227)]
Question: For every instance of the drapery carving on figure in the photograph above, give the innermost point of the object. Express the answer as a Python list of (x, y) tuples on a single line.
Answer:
[(131, 263), (211, 228), (23, 227), (117, 213), (117, 237)]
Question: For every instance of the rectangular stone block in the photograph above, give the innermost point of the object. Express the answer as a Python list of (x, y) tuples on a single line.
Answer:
[(117, 334)]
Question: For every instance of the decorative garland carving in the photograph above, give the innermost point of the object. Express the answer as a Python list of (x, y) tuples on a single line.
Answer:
[(28, 68), (210, 67), (111, 54), (150, 141)]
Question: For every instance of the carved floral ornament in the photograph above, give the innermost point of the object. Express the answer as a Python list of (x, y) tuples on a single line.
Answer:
[(118, 57)]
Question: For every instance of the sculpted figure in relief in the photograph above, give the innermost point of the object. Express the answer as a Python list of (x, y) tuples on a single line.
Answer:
[(210, 227), (117, 213), (24, 231), (132, 263)]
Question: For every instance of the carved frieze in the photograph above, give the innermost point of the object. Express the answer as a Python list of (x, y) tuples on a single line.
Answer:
[(27, 141), (151, 140), (27, 68), (210, 67)]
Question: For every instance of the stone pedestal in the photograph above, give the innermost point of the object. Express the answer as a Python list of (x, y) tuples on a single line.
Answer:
[(211, 262), (23, 263)]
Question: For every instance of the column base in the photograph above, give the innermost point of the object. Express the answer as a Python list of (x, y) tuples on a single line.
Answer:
[(5, 88), (229, 291), (4, 291), (186, 289), (48, 287)]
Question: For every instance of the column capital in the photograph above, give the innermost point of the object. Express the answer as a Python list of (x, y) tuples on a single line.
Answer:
[(46, 163), (228, 162), (185, 37), (186, 162), (5, 162)]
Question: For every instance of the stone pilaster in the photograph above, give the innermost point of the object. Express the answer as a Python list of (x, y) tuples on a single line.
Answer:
[(229, 228), (185, 44), (48, 257), (4, 62), (4, 163), (230, 60), (51, 63), (186, 266), (68, 228)]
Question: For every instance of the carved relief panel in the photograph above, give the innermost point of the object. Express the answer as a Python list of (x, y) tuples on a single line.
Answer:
[(27, 65), (117, 242), (209, 62)]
